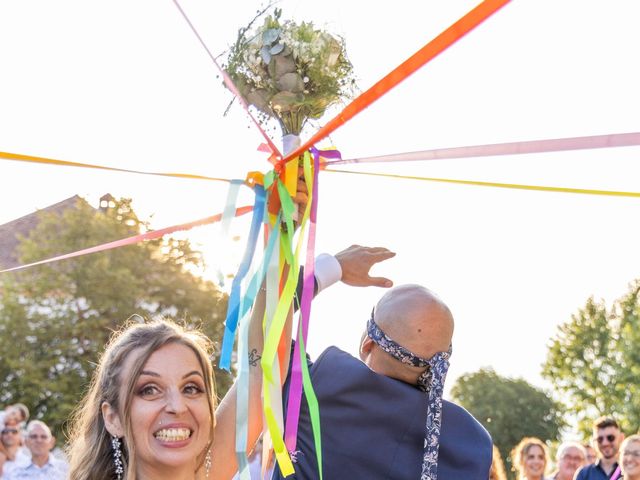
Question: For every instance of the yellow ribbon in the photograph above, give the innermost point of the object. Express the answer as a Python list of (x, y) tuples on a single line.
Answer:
[(516, 186), (52, 161)]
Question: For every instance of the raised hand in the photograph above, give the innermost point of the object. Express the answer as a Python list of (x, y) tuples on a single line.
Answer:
[(356, 262)]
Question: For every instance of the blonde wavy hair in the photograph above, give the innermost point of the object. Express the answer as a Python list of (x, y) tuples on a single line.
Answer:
[(520, 451), (497, 466)]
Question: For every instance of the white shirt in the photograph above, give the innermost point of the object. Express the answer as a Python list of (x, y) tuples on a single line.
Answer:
[(327, 271), (54, 469), (10, 465)]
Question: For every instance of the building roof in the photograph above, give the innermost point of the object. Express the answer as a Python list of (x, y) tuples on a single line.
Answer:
[(9, 232)]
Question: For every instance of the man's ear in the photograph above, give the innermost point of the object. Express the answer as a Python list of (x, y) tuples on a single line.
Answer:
[(365, 347), (112, 420)]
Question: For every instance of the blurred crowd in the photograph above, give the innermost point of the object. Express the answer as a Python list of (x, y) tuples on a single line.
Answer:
[(28, 452), (608, 456), (27, 448)]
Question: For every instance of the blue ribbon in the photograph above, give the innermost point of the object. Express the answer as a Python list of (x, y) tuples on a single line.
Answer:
[(233, 309)]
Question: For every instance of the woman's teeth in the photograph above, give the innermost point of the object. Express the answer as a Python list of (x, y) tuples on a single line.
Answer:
[(173, 434)]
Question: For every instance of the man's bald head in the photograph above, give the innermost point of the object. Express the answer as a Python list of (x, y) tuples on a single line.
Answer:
[(413, 317)]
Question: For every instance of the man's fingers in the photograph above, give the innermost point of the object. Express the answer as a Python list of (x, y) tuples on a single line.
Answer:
[(373, 258), (383, 255), (380, 282), (302, 187), (301, 197)]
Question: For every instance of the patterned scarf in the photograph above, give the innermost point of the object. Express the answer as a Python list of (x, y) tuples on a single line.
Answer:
[(431, 381)]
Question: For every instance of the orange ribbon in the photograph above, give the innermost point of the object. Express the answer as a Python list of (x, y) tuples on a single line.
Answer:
[(409, 66)]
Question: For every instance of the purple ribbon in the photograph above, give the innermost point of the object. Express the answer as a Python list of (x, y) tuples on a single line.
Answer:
[(295, 384)]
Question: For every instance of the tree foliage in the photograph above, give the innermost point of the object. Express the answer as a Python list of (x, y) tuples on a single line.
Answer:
[(509, 409), (55, 319), (593, 362)]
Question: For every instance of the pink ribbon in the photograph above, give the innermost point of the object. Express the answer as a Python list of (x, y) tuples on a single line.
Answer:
[(131, 240), (230, 85), (616, 474), (511, 148)]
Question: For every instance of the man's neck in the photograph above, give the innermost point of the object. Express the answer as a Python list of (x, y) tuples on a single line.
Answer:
[(12, 451), (40, 460), (607, 464)]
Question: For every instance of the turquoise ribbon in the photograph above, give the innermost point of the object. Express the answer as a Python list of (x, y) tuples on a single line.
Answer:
[(233, 309), (243, 380), (228, 214)]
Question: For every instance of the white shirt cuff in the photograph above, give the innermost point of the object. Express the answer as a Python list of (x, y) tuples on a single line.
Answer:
[(327, 271)]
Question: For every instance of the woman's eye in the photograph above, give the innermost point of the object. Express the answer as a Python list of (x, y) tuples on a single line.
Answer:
[(148, 390), (193, 389)]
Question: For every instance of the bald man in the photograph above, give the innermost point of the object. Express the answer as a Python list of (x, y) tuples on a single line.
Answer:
[(383, 417)]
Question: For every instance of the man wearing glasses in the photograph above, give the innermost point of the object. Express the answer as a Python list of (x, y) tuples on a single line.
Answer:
[(607, 438), (11, 454), (43, 465), (570, 457)]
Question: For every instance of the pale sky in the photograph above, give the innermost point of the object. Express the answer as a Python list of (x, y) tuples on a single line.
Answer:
[(125, 84)]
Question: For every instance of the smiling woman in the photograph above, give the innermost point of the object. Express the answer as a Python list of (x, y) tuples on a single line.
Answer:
[(150, 410), (529, 458), (630, 458)]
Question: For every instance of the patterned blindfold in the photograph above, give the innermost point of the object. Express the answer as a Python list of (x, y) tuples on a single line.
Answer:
[(431, 381)]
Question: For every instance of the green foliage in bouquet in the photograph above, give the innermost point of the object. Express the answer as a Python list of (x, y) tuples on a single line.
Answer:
[(288, 71)]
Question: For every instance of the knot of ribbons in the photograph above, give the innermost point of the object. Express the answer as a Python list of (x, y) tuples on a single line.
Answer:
[(431, 381)]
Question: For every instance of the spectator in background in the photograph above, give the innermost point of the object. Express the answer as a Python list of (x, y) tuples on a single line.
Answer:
[(630, 458), (18, 413), (497, 466), (607, 438), (42, 466), (591, 454), (570, 457), (11, 454), (530, 458)]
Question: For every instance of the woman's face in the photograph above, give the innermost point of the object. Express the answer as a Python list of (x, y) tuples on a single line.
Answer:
[(534, 462), (630, 460), (170, 416)]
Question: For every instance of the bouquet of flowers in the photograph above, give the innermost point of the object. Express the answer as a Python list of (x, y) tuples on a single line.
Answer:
[(291, 72)]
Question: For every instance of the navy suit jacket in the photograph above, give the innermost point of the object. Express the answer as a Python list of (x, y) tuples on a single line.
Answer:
[(373, 428)]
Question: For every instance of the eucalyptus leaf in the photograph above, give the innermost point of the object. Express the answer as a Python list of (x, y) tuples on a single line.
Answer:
[(270, 36), (276, 49), (266, 56)]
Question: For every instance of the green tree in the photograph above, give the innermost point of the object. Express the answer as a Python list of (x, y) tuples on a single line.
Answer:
[(55, 319), (509, 409), (593, 361)]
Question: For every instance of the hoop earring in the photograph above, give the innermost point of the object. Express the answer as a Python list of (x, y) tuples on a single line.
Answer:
[(117, 456), (207, 463)]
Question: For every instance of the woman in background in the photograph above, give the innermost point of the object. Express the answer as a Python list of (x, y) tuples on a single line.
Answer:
[(529, 459), (630, 458)]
